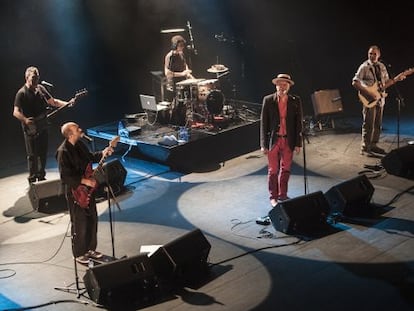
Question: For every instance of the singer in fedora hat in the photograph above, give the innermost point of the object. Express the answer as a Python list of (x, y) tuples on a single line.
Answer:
[(280, 135)]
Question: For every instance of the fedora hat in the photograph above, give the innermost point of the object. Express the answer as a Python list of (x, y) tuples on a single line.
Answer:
[(283, 77)]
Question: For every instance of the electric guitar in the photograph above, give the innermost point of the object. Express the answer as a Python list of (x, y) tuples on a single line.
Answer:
[(379, 91), (82, 193), (42, 121)]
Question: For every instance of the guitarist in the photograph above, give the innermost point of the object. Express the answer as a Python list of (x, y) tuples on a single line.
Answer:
[(373, 72), (73, 158), (31, 102)]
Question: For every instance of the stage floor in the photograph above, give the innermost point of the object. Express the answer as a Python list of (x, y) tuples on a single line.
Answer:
[(363, 264)]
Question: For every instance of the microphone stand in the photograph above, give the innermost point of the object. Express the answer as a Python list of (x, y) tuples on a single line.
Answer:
[(192, 46), (110, 193), (305, 174), (400, 103)]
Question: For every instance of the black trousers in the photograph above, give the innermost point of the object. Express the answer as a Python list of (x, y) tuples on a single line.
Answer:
[(84, 226), (36, 151)]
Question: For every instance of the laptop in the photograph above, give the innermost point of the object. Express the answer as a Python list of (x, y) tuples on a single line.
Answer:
[(149, 103)]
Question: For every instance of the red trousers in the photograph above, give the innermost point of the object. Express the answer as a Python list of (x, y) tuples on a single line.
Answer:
[(279, 162)]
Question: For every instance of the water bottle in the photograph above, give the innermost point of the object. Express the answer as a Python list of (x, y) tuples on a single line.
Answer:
[(183, 134), (311, 125), (122, 131), (90, 263), (120, 128)]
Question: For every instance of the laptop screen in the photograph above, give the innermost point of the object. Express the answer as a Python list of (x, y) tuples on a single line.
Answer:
[(148, 102)]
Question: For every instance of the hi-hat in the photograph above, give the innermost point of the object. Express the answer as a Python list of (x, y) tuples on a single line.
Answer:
[(172, 30)]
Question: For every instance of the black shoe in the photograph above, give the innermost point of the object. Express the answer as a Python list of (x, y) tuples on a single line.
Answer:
[(94, 254), (264, 221), (84, 260), (378, 150), (279, 200)]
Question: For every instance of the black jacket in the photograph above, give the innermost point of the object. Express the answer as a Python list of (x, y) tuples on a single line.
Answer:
[(73, 160), (270, 121)]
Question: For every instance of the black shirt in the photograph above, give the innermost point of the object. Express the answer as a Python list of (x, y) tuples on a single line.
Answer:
[(31, 103)]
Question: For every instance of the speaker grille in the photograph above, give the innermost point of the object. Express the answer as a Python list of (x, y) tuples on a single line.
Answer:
[(301, 215), (326, 102), (351, 197), (126, 280), (400, 162), (184, 258), (47, 196)]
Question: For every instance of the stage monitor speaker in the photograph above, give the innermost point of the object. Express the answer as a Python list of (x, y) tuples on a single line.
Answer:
[(352, 197), (128, 280), (326, 102), (305, 214), (113, 172), (400, 162), (183, 259), (47, 196)]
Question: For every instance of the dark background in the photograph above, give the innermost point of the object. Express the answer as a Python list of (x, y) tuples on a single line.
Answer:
[(110, 47)]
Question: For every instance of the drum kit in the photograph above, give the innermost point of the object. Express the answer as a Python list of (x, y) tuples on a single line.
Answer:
[(203, 98)]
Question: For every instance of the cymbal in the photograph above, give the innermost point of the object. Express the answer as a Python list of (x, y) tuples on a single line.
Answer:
[(217, 68), (189, 82), (172, 30)]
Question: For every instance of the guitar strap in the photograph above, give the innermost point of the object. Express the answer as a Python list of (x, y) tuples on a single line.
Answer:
[(377, 75)]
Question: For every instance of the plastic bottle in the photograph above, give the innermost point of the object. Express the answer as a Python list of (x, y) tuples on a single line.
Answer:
[(120, 128), (183, 134)]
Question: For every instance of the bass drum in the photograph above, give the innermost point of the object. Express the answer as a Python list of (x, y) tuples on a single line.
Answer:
[(215, 102)]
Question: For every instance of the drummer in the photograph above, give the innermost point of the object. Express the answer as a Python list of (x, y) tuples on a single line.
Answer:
[(175, 65)]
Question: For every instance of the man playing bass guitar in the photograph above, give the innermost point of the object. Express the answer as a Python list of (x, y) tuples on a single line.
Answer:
[(74, 158), (31, 102)]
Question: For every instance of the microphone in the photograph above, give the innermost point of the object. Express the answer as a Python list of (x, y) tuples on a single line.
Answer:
[(192, 48), (220, 37), (46, 83), (87, 137)]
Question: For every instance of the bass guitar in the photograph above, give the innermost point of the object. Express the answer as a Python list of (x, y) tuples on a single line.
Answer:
[(82, 193), (42, 121), (379, 92)]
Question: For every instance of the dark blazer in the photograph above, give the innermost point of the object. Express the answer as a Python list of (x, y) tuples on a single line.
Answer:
[(270, 121)]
